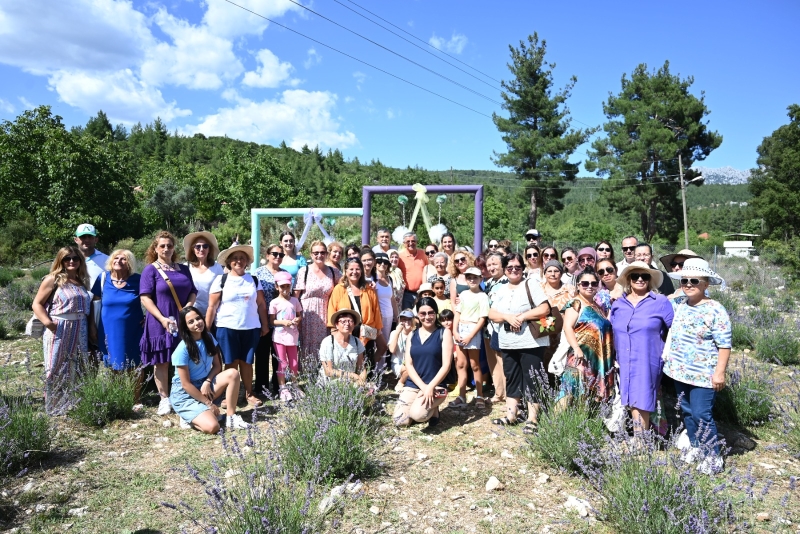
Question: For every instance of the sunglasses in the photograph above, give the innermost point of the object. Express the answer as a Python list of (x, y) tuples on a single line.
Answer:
[(588, 284), (534, 255), (462, 259), (548, 255), (604, 249), (495, 245), (568, 260), (277, 254), (513, 268), (531, 237), (644, 276), (629, 249), (585, 260), (426, 313), (607, 270), (676, 264), (202, 246), (71, 258), (430, 252), (690, 281), (319, 252), (382, 262)]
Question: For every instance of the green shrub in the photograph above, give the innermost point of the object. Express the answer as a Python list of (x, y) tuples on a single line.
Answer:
[(727, 299), (40, 272), (562, 430), (25, 433), (778, 346), (764, 318), (784, 302), (743, 335), (747, 399), (8, 275), (103, 396), (331, 432), (754, 296)]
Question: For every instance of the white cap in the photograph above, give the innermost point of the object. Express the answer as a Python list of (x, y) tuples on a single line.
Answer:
[(85, 229)]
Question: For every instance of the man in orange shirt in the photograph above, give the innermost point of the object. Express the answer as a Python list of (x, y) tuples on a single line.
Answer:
[(412, 265)]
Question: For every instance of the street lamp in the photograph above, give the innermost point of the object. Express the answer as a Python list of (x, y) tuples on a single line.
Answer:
[(699, 180)]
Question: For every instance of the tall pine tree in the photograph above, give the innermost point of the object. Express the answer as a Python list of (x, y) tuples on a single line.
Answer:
[(537, 130)]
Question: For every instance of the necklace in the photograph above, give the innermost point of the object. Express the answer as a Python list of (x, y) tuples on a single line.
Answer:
[(169, 267)]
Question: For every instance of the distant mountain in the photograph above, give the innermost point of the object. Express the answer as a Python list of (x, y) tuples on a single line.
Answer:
[(724, 175)]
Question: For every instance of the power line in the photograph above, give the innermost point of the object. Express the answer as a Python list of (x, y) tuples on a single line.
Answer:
[(416, 45), (398, 54), (420, 40), (359, 60)]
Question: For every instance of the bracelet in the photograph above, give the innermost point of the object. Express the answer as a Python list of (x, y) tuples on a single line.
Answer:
[(207, 380)]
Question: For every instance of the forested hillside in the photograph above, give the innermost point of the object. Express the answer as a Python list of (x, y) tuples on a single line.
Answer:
[(132, 183)]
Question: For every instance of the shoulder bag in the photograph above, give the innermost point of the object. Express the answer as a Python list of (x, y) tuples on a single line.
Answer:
[(34, 327), (553, 319), (369, 332), (558, 362), (171, 287)]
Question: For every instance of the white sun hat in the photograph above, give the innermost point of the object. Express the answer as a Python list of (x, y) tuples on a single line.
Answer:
[(697, 267)]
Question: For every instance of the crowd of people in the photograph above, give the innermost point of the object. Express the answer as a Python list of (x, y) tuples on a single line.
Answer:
[(439, 317)]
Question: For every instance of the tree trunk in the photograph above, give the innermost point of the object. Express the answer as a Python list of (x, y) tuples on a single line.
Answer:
[(534, 211)]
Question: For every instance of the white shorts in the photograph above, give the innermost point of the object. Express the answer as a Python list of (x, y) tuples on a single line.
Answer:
[(477, 339)]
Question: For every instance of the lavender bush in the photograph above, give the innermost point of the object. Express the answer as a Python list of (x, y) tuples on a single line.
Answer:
[(250, 489), (25, 433), (332, 431), (748, 398), (743, 336), (102, 395), (778, 346)]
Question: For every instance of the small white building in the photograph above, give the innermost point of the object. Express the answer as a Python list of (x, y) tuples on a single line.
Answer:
[(739, 249)]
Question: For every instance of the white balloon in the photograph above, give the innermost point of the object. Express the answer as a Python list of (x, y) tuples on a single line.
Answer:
[(398, 234)]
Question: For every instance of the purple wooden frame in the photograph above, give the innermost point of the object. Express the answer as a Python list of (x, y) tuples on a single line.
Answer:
[(369, 190)]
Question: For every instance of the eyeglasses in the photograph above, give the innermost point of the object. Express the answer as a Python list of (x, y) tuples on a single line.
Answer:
[(534, 255), (690, 281), (568, 260), (426, 313), (462, 259), (644, 276), (531, 237), (166, 246), (277, 254), (68, 259), (202, 246), (410, 242), (513, 268), (629, 249), (382, 262), (585, 260), (548, 255), (319, 252), (603, 249), (676, 264), (493, 245), (430, 252), (586, 284), (607, 270)]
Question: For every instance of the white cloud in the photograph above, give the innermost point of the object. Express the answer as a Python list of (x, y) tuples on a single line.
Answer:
[(270, 71), (41, 35), (360, 77), (27, 103), (5, 105), (454, 45), (226, 20), (299, 117), (197, 58), (349, 99), (313, 58), (120, 94), (390, 114)]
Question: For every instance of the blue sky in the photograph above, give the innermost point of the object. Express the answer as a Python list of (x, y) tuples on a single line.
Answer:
[(211, 67)]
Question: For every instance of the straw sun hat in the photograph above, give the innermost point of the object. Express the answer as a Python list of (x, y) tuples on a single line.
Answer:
[(655, 274), (188, 243)]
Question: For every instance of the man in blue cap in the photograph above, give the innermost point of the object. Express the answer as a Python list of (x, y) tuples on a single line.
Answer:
[(86, 239)]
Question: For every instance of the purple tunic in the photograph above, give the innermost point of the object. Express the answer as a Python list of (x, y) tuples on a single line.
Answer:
[(639, 335), (157, 344)]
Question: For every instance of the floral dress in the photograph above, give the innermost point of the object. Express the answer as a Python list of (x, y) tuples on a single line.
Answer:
[(316, 292), (595, 371), (63, 348), (557, 301)]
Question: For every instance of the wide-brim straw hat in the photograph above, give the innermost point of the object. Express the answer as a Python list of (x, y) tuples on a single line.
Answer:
[(247, 249), (686, 253), (697, 268), (657, 276), (188, 243), (346, 311)]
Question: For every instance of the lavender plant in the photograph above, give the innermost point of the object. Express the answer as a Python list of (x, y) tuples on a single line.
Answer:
[(778, 346), (332, 430), (743, 336), (251, 489), (25, 432), (747, 399), (102, 395)]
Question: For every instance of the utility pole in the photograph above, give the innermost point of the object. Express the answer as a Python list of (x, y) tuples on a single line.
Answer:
[(683, 196)]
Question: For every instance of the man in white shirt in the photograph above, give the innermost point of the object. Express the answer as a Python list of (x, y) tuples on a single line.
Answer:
[(628, 251), (384, 241), (86, 239)]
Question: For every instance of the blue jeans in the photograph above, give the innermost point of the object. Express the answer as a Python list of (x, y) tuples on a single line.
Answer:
[(696, 404), (409, 297)]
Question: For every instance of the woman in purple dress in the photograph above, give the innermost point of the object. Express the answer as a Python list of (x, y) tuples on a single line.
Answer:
[(640, 322), (162, 275)]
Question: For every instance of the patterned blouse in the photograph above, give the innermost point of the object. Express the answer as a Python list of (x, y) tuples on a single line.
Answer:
[(698, 332)]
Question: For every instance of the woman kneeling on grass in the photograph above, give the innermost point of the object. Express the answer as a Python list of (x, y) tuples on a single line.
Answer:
[(428, 359), (198, 382)]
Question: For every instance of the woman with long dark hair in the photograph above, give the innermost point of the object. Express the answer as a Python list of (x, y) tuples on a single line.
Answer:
[(292, 261)]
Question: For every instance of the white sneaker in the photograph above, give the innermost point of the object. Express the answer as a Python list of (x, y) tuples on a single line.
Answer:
[(683, 442), (690, 455), (711, 465), (164, 407), (235, 422), (186, 425)]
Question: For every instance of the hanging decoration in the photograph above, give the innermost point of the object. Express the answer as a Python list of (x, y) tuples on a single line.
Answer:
[(310, 218), (292, 224), (420, 208), (436, 232), (400, 231)]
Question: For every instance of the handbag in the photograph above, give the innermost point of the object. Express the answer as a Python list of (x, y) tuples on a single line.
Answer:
[(558, 363), (34, 327), (614, 418), (368, 332), (553, 318)]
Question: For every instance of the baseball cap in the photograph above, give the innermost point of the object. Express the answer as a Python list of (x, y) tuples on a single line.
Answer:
[(408, 314), (533, 231), (85, 229), (473, 270)]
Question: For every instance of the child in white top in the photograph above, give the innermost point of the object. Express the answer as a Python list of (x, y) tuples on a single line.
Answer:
[(285, 314), (397, 346), (471, 313)]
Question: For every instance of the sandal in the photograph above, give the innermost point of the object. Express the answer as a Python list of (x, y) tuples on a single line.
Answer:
[(458, 402), (253, 400), (505, 421), (480, 403), (530, 428)]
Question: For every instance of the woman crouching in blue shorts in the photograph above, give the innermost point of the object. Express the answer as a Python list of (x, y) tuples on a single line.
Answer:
[(198, 385)]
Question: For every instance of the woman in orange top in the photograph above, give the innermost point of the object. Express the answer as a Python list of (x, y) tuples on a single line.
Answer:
[(353, 292)]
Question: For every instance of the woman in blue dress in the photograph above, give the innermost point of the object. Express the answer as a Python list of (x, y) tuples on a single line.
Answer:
[(121, 318)]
